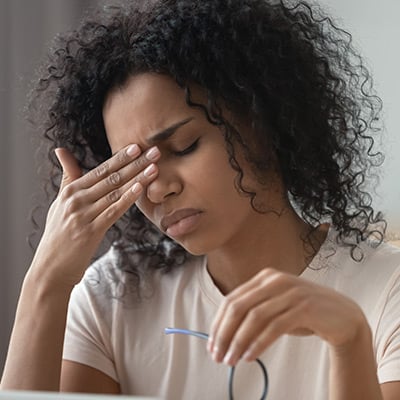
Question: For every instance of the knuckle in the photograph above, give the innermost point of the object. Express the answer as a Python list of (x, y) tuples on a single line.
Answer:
[(101, 170), (111, 213), (114, 179), (235, 307), (256, 314), (67, 192), (266, 274), (299, 293), (273, 275), (73, 204), (127, 196), (114, 196), (140, 162), (121, 156)]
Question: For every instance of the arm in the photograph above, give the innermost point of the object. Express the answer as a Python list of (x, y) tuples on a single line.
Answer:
[(353, 372), (35, 350), (83, 211), (81, 378), (273, 304), (390, 390), (353, 368)]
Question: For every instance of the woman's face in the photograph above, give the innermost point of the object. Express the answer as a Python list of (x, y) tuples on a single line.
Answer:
[(193, 199)]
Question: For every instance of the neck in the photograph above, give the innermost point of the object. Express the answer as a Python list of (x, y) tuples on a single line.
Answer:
[(283, 242)]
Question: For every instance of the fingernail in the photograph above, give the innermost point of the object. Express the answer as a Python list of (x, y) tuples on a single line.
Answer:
[(137, 188), (150, 170), (152, 154), (229, 358), (133, 150), (210, 344)]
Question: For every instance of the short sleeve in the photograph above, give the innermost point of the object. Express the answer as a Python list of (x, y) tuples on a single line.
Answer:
[(88, 330), (387, 338)]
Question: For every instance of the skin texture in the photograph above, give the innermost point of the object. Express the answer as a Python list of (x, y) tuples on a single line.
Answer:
[(264, 301)]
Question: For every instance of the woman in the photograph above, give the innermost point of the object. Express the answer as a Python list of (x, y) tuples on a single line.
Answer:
[(235, 137)]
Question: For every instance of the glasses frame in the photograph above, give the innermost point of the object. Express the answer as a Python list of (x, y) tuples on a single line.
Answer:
[(204, 336)]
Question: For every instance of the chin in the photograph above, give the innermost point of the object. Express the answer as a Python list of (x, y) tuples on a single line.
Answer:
[(194, 247)]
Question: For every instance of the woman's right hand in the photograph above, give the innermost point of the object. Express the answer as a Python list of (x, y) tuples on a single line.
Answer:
[(86, 207)]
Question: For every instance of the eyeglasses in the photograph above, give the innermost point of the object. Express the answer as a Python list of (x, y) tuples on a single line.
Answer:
[(204, 336)]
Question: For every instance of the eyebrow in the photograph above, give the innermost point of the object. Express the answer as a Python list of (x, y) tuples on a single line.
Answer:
[(168, 132)]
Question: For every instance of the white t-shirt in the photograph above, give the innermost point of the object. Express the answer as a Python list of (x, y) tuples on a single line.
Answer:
[(125, 339)]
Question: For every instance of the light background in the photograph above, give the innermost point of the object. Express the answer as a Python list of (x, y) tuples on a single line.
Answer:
[(26, 27), (375, 27)]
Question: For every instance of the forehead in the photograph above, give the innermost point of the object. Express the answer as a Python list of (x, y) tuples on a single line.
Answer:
[(146, 104)]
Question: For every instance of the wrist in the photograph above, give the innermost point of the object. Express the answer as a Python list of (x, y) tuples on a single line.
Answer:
[(50, 271), (359, 340), (353, 373), (46, 284)]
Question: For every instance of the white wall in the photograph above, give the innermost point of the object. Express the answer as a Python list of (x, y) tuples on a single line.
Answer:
[(375, 27)]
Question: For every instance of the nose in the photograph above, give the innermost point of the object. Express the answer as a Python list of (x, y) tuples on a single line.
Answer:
[(164, 186)]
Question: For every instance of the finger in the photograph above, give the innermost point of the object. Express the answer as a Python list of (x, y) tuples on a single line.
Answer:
[(112, 183), (70, 167), (108, 199), (229, 317), (236, 305), (111, 214), (237, 293), (256, 321), (283, 323), (129, 156)]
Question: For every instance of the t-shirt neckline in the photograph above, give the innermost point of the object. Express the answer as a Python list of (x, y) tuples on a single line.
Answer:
[(322, 259)]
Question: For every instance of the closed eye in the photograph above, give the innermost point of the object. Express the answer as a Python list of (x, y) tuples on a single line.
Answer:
[(188, 149)]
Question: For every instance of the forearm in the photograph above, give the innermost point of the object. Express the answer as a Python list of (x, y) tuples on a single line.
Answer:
[(35, 351), (353, 370)]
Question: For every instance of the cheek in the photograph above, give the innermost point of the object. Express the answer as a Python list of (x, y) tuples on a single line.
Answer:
[(219, 176)]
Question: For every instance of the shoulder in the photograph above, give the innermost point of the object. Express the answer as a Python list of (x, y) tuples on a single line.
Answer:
[(369, 258), (380, 261), (382, 267), (109, 278), (365, 280), (102, 277)]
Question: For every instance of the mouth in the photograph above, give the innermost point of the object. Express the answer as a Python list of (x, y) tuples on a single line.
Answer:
[(180, 222)]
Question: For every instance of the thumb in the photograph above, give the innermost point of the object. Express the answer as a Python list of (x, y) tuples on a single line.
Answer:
[(70, 167)]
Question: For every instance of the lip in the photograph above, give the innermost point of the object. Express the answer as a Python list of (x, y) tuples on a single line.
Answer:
[(170, 221)]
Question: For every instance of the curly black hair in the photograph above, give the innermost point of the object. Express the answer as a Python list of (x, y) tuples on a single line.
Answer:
[(284, 66)]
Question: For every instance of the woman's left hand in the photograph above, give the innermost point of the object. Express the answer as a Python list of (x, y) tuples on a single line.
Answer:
[(274, 303)]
